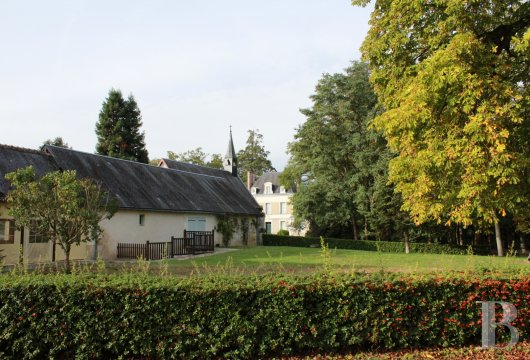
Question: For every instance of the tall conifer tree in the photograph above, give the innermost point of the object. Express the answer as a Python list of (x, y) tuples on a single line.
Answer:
[(118, 129)]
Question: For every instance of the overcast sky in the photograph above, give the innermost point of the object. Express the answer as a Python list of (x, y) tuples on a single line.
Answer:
[(195, 67)]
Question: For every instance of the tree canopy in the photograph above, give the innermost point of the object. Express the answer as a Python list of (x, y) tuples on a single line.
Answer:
[(253, 157), (198, 157), (452, 77), (62, 208), (58, 141), (118, 129), (339, 164)]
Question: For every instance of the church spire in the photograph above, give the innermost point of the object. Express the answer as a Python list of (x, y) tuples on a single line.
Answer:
[(230, 160)]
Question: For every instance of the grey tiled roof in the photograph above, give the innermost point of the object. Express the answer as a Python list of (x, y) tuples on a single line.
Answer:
[(140, 186), (13, 158), (272, 177)]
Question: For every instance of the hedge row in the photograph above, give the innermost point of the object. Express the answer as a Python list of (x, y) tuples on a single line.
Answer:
[(243, 317), (383, 246)]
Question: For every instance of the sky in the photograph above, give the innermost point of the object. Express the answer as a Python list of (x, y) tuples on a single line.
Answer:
[(195, 67)]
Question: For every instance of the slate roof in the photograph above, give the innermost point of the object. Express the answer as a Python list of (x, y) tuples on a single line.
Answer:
[(233, 187), (272, 177), (145, 187), (13, 158), (230, 152)]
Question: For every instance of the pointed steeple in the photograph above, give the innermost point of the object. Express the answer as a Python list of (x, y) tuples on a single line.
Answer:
[(230, 159)]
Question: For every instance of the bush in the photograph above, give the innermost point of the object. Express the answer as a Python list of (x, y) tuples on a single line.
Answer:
[(283, 232), (243, 317), (383, 246)]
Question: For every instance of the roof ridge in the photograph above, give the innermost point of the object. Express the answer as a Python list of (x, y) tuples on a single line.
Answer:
[(130, 161), (19, 148)]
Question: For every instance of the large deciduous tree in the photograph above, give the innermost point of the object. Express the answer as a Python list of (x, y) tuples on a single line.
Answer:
[(118, 129), (253, 157), (198, 157), (340, 164), (58, 141), (453, 78), (60, 207)]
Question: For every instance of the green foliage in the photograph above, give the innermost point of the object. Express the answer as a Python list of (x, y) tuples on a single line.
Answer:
[(68, 210), (283, 232), (227, 225), (58, 141), (244, 317), (253, 157), (365, 245), (198, 157), (452, 77), (244, 224), (216, 161), (341, 165), (118, 129)]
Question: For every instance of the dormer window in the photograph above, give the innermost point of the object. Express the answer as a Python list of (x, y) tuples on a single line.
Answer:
[(282, 189), (253, 190), (268, 188)]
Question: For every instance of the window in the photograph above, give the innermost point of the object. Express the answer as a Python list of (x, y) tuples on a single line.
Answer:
[(35, 236), (196, 224), (141, 220), (7, 231), (253, 190), (282, 189), (268, 227), (283, 208), (268, 188), (283, 225), (268, 208)]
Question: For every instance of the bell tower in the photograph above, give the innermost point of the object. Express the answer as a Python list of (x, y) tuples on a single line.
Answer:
[(230, 159)]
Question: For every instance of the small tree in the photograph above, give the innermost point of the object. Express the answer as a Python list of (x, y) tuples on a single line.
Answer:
[(59, 206), (227, 226)]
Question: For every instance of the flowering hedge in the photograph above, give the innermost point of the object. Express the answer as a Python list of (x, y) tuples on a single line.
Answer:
[(366, 245), (88, 317)]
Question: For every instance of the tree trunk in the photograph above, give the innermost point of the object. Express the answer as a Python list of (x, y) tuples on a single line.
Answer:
[(522, 244), (365, 228), (354, 227), (407, 242), (498, 239), (54, 245), (21, 249), (67, 267)]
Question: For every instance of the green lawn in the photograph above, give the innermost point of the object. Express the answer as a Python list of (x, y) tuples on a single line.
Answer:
[(300, 260)]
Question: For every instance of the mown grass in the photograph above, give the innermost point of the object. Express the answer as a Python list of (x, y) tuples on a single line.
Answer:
[(301, 260), (296, 260)]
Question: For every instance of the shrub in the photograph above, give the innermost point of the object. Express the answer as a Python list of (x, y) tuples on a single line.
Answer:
[(383, 246), (283, 232), (243, 317)]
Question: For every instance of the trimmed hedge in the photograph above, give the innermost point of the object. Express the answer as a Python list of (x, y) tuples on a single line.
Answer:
[(243, 317), (383, 246)]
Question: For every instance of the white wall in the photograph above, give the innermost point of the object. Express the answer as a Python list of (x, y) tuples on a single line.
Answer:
[(275, 217), (35, 253), (124, 227)]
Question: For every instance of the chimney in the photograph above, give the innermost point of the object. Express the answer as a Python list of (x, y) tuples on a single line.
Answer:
[(250, 179)]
